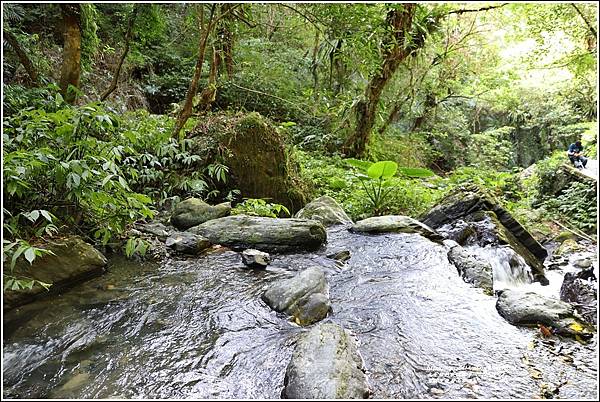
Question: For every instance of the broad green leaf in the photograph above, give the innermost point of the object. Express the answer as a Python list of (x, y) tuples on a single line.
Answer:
[(30, 255), (382, 170), (357, 163)]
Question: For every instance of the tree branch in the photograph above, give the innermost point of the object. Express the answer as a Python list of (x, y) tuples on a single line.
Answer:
[(477, 10), (592, 30)]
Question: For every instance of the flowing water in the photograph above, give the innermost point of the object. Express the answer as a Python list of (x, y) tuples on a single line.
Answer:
[(197, 328)]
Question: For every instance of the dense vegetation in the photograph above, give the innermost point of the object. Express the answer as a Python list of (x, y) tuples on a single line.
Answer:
[(104, 105)]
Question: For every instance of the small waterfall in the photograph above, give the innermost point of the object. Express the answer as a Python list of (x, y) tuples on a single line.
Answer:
[(509, 269)]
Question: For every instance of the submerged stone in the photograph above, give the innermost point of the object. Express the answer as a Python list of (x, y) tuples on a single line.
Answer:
[(305, 296), (326, 364), (265, 234)]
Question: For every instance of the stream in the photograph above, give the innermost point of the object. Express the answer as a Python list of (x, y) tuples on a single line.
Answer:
[(197, 328)]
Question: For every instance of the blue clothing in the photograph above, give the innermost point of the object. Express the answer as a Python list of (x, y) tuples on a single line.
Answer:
[(574, 149)]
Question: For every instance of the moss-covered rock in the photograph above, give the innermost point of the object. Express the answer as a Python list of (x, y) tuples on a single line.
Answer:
[(259, 163), (325, 210), (73, 260), (194, 211), (395, 224)]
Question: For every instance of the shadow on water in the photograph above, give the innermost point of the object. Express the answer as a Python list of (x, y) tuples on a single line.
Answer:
[(197, 328)]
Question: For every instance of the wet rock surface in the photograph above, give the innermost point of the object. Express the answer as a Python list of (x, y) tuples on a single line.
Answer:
[(265, 234), (326, 364), (255, 258), (492, 224), (187, 243), (395, 224), (194, 211), (73, 260), (325, 210), (471, 268), (530, 309), (305, 296), (580, 288)]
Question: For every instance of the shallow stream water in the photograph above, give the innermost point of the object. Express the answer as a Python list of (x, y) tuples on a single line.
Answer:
[(197, 328)]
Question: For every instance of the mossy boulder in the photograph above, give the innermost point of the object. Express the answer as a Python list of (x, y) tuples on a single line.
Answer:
[(73, 260), (472, 269), (265, 234), (259, 164), (325, 210), (194, 211)]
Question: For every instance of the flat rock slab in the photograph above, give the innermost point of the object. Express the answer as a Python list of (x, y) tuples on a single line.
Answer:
[(529, 309), (265, 234), (305, 296), (194, 211), (325, 210), (472, 269), (395, 224), (326, 364)]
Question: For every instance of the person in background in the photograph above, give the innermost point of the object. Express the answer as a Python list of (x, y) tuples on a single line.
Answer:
[(575, 154)]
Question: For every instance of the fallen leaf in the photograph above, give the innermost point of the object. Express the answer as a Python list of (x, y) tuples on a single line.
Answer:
[(576, 327), (546, 332), (534, 373)]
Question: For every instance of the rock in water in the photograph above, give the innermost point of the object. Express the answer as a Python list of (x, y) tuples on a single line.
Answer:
[(187, 243), (326, 364), (581, 289), (395, 224), (155, 229), (325, 210), (472, 269), (74, 260), (265, 234), (194, 211), (255, 259), (530, 309), (305, 296), (477, 207)]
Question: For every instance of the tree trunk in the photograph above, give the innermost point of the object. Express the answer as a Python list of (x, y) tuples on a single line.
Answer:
[(225, 40), (397, 50), (128, 35), (393, 114), (186, 111), (208, 95), (71, 65), (23, 58)]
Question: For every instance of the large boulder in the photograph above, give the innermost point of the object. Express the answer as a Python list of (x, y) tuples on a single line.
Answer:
[(305, 296), (530, 309), (253, 149), (73, 260), (187, 243), (471, 268), (325, 210), (326, 364), (580, 288), (491, 222), (395, 224), (194, 211), (265, 234)]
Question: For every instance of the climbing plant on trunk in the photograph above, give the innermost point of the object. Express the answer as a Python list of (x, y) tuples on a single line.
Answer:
[(71, 64)]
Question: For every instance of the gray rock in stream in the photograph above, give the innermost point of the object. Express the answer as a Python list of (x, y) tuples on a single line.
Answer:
[(395, 224), (194, 211), (255, 259), (265, 234), (581, 289), (326, 364), (530, 309), (305, 296), (187, 243), (472, 269), (325, 210), (155, 229)]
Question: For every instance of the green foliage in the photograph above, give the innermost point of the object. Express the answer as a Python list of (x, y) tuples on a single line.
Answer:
[(491, 149), (577, 205), (89, 39), (260, 207), (136, 246)]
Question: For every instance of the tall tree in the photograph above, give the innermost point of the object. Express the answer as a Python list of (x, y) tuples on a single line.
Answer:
[(22, 55), (397, 46), (128, 36), (71, 64)]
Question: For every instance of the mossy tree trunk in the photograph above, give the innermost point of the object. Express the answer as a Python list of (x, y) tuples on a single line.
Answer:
[(396, 50), (22, 55), (71, 64)]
